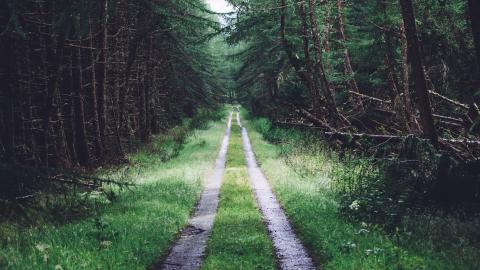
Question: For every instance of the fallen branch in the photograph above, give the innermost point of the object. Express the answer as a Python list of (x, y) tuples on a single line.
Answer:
[(319, 123), (399, 138), (370, 97), (395, 138), (448, 118), (451, 101), (294, 124)]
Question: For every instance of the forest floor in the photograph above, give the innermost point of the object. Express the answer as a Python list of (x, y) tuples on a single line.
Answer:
[(138, 227)]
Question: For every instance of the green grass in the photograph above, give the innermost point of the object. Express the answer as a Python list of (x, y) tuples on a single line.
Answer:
[(133, 230), (239, 239), (304, 189)]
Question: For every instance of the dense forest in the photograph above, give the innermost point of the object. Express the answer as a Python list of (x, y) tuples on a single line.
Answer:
[(397, 81), (380, 97), (375, 67), (82, 80)]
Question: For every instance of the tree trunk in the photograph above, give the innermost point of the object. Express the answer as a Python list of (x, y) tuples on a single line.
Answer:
[(286, 46), (355, 99), (96, 116), (8, 82), (324, 84), (81, 148), (62, 156), (405, 80), (148, 83), (143, 106), (418, 75), (53, 71), (474, 12), (102, 70), (69, 108), (308, 64)]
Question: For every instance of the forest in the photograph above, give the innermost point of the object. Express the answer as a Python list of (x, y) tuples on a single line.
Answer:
[(362, 117)]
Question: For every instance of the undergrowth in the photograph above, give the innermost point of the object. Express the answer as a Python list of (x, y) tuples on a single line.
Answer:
[(359, 212)]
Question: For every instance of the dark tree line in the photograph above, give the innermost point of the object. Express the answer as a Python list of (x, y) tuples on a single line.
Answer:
[(364, 68), (82, 81)]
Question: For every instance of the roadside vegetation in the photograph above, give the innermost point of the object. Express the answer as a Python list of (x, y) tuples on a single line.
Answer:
[(314, 185), (118, 229), (239, 239)]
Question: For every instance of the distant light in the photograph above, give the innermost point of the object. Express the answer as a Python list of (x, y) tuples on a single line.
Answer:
[(220, 6)]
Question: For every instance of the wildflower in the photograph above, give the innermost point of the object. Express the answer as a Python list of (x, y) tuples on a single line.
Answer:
[(355, 205), (42, 247), (105, 244)]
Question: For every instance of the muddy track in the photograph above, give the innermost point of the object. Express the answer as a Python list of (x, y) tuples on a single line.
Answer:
[(188, 250), (289, 250)]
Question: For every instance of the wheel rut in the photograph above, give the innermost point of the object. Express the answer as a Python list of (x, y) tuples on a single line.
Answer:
[(188, 250), (289, 250)]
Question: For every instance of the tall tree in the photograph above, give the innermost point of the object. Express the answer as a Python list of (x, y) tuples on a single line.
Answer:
[(415, 59), (94, 97), (324, 84), (308, 63)]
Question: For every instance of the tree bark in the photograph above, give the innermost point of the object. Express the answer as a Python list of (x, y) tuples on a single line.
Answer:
[(418, 75)]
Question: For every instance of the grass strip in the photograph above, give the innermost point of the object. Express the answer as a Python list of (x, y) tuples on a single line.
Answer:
[(239, 239), (131, 231)]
